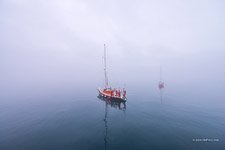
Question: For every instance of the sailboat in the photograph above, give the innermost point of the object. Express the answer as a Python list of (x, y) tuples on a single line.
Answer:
[(108, 92), (161, 83)]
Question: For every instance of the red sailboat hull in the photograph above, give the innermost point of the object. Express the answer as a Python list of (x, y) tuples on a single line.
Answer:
[(109, 96)]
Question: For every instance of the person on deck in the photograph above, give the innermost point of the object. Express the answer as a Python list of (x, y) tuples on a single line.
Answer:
[(119, 93), (111, 92), (114, 92), (124, 93)]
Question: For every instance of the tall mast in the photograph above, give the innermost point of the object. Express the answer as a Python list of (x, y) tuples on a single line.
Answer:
[(105, 71)]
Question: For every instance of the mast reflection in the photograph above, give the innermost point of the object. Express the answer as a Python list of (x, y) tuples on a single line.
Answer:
[(114, 104), (161, 95), (106, 126)]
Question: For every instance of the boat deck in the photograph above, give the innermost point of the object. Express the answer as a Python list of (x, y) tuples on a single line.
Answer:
[(101, 93)]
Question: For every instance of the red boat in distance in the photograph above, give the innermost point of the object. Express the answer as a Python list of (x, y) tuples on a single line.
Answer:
[(108, 92), (161, 83)]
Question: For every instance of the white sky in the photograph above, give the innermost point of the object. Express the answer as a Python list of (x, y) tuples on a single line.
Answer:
[(59, 42)]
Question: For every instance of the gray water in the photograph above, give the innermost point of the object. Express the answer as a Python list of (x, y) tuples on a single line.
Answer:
[(79, 120)]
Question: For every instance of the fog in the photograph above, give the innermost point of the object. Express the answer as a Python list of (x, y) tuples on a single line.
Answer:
[(47, 45)]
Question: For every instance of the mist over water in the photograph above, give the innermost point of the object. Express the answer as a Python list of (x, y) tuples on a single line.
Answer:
[(51, 66)]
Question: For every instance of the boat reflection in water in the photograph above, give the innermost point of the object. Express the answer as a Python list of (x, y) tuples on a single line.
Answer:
[(120, 105)]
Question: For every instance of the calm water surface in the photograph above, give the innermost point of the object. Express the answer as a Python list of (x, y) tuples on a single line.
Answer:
[(78, 121)]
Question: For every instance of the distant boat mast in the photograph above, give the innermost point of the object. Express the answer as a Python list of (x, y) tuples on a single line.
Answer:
[(160, 79), (161, 83), (105, 70)]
